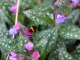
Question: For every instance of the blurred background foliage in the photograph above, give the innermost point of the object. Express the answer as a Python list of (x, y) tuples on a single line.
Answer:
[(7, 18), (33, 12)]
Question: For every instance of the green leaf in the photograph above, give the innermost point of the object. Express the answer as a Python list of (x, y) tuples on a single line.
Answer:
[(64, 55), (70, 42), (70, 32), (23, 3), (54, 53), (72, 17), (42, 45), (76, 53), (45, 40), (3, 16), (65, 9), (47, 3), (9, 44), (28, 4), (21, 41), (39, 15), (3, 27)]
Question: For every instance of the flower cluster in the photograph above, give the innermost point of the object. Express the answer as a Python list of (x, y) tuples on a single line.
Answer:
[(26, 32), (29, 46), (61, 18), (14, 30)]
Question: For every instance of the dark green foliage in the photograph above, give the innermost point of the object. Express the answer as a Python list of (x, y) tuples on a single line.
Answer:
[(50, 39)]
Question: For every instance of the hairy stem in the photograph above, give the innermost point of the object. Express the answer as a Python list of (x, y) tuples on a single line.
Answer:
[(7, 57), (16, 19)]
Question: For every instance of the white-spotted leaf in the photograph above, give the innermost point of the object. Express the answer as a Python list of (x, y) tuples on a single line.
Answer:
[(46, 40), (64, 55), (39, 15), (70, 32)]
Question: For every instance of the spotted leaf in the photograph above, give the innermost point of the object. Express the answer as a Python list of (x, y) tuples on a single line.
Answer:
[(54, 53), (21, 41), (76, 53), (70, 32), (64, 55), (72, 17), (39, 15), (42, 45), (8, 44), (46, 40)]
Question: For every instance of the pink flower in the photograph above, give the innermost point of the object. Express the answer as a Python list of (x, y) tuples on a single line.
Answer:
[(13, 56), (13, 8), (74, 2), (29, 46), (17, 26), (35, 55), (27, 33), (60, 18)]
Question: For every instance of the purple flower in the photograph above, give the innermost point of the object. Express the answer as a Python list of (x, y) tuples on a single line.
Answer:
[(29, 46), (13, 8), (60, 18), (13, 31), (74, 2), (28, 36)]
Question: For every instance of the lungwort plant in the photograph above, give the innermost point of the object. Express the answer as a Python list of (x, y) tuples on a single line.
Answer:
[(39, 29)]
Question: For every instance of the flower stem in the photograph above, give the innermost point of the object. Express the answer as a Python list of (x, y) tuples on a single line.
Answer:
[(7, 57), (16, 18)]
